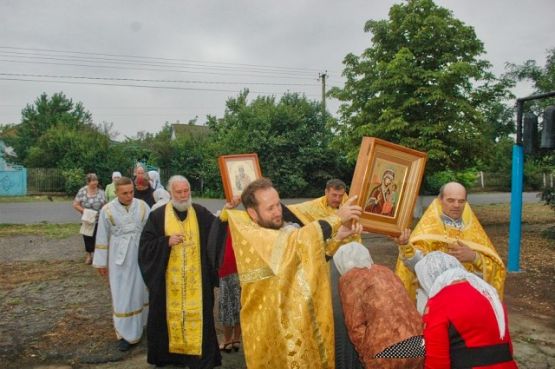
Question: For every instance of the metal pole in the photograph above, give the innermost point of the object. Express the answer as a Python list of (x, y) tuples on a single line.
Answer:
[(515, 228)]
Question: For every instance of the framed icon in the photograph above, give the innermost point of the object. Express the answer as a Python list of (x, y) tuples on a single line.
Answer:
[(387, 180), (237, 172)]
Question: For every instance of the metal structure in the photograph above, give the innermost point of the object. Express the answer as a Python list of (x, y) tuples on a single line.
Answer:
[(515, 228)]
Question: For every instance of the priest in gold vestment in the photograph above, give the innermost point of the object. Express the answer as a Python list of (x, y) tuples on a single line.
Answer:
[(334, 196), (286, 312), (449, 225)]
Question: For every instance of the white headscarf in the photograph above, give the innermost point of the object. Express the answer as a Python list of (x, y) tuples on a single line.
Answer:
[(438, 270), (352, 255), (162, 197), (116, 175), (154, 179)]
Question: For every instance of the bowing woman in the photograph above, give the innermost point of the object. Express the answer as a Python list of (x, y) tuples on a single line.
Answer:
[(465, 323)]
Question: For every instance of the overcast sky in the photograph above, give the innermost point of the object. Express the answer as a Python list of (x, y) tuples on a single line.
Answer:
[(193, 54)]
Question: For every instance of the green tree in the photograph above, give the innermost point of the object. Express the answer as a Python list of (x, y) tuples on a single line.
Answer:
[(45, 113), (68, 148), (423, 85), (289, 135), (195, 157), (543, 80), (123, 156), (160, 146)]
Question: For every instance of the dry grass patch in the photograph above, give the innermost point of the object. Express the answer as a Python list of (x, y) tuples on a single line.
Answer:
[(53, 231), (537, 213)]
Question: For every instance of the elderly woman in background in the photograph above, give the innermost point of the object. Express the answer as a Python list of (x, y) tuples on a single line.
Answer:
[(88, 202), (142, 189), (465, 323), (111, 189)]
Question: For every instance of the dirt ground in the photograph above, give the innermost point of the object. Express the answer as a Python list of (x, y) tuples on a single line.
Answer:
[(56, 310)]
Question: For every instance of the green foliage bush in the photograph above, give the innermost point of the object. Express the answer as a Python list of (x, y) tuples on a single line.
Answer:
[(548, 195), (433, 181), (533, 175), (74, 180)]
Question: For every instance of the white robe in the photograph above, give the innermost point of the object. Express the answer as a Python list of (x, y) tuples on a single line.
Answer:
[(117, 247)]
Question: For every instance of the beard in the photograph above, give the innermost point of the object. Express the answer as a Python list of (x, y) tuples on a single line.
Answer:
[(183, 204), (270, 223)]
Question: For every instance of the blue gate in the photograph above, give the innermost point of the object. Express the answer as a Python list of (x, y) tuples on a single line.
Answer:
[(13, 178), (13, 182)]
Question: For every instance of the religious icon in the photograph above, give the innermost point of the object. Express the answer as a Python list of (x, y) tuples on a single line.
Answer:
[(242, 179), (384, 187), (237, 172), (381, 196), (387, 179)]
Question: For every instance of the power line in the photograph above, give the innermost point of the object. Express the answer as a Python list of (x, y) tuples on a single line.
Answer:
[(176, 65), (150, 69), (156, 58), (163, 60), (142, 86), (155, 80)]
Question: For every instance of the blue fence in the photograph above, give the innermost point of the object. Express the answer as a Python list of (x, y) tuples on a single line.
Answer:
[(13, 181)]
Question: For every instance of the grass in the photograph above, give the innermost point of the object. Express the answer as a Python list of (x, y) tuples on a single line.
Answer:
[(533, 213), (34, 198), (54, 231)]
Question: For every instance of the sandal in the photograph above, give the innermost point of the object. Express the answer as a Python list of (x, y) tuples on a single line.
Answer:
[(236, 345), (226, 347)]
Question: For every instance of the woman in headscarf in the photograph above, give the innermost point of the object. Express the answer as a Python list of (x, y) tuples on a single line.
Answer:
[(381, 320), (142, 189), (162, 197), (110, 190), (465, 323), (154, 179)]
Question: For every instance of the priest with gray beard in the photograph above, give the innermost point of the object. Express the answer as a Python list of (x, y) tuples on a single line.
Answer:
[(180, 279)]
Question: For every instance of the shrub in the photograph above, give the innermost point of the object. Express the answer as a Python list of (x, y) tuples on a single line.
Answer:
[(433, 182), (548, 195), (74, 180)]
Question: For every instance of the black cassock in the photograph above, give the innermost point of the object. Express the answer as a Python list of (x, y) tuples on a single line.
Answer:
[(154, 254)]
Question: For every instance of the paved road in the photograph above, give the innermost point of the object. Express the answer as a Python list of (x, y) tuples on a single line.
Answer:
[(62, 212)]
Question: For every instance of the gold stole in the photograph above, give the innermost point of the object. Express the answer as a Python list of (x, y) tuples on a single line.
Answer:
[(431, 234), (184, 285), (317, 209), (312, 210)]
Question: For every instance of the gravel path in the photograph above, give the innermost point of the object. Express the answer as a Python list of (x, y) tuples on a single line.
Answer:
[(56, 311)]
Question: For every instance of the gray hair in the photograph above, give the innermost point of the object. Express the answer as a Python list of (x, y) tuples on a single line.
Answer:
[(336, 184), (177, 178)]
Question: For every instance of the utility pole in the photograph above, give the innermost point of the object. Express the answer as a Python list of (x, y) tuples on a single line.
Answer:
[(322, 77)]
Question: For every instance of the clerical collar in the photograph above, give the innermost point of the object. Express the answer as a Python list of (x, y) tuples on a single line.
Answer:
[(180, 214), (291, 224), (448, 221)]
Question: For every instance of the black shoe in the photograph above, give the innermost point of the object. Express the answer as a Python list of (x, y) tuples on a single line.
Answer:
[(123, 345)]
